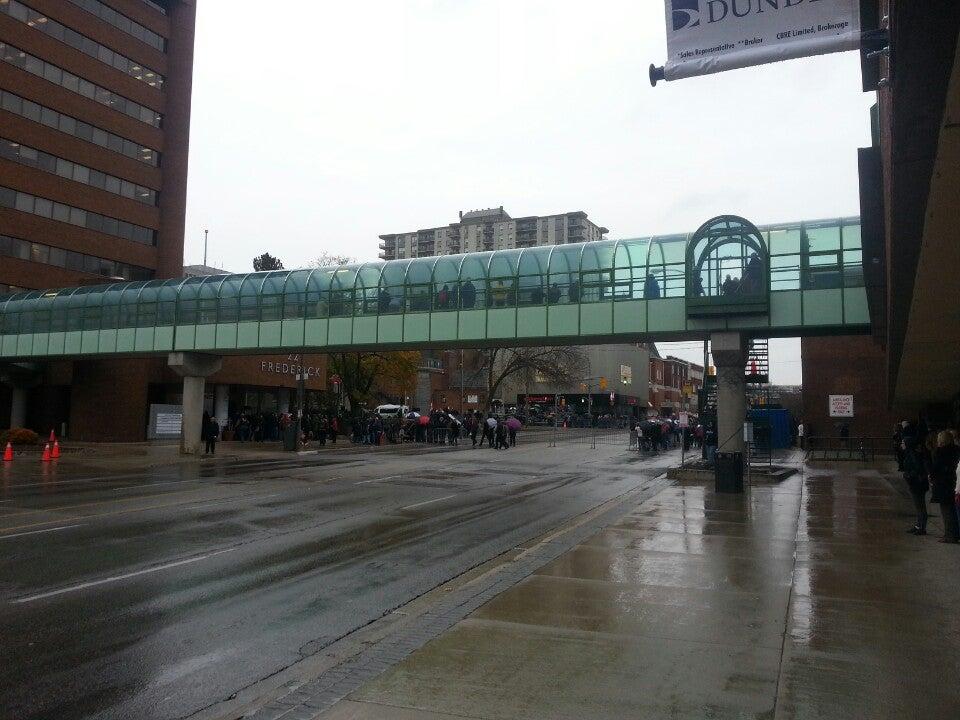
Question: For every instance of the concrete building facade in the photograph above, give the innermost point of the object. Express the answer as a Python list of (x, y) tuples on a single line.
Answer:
[(491, 229)]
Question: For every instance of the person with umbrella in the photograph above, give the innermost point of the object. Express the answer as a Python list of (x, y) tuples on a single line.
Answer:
[(513, 425)]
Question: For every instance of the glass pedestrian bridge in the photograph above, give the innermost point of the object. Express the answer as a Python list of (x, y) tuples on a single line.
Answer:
[(791, 279)]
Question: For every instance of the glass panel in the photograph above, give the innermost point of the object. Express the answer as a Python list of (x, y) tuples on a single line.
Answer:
[(445, 287), (823, 271), (822, 237), (128, 304), (852, 267), (228, 304), (785, 272), (473, 281), (851, 237), (295, 295), (564, 275)]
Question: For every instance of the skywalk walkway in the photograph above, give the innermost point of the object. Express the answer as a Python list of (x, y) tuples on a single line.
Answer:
[(778, 280)]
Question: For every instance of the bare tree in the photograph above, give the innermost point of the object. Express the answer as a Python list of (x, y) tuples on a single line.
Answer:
[(562, 366), (329, 259)]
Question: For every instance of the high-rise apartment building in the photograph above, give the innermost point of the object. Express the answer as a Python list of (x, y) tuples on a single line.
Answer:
[(94, 134), (492, 229)]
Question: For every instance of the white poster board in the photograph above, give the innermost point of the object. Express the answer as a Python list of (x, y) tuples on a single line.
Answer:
[(166, 422), (684, 419), (841, 406), (708, 36)]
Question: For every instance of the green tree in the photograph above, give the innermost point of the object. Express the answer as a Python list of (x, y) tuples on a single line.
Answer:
[(367, 377), (267, 262)]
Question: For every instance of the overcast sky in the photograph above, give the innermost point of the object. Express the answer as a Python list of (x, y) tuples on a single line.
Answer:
[(319, 125)]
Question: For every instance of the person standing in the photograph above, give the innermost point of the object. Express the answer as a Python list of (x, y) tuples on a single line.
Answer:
[(916, 463), (800, 430), (943, 478), (212, 434)]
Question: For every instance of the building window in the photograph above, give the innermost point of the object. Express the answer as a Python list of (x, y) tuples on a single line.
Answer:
[(58, 76), (78, 173), (24, 202), (44, 24), (58, 257), (77, 128), (155, 5), (122, 22)]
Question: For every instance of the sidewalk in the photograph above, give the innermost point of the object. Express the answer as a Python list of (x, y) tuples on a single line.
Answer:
[(805, 599)]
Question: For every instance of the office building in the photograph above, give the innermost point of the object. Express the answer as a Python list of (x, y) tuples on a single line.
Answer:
[(95, 100)]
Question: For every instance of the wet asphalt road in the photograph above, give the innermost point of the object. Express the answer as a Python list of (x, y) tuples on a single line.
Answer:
[(158, 595)]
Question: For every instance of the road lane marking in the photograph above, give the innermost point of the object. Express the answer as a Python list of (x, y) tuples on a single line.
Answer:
[(153, 485), (117, 578), (227, 500), (427, 502), (37, 532), (388, 477), (89, 516), (61, 508)]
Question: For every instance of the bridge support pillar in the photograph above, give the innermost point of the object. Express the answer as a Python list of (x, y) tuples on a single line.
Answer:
[(194, 368), (19, 378), (730, 357), (18, 406)]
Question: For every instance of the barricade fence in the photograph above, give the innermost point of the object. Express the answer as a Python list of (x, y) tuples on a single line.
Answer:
[(850, 448)]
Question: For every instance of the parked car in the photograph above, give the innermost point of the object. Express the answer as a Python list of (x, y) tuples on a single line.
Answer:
[(392, 411)]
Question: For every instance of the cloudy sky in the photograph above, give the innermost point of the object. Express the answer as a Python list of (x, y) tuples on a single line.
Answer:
[(319, 125)]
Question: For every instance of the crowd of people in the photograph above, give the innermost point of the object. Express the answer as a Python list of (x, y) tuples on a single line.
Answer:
[(440, 426), (929, 460)]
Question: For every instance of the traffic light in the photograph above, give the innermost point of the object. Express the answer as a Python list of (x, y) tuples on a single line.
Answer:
[(603, 383)]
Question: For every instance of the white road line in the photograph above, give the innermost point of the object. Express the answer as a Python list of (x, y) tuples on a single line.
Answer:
[(37, 532), (231, 499), (410, 507), (117, 578), (147, 486), (388, 477)]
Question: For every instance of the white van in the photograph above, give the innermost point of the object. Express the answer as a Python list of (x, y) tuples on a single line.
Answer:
[(391, 410)]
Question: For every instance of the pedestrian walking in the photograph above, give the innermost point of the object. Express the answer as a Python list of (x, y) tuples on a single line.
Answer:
[(211, 436), (943, 479), (502, 442)]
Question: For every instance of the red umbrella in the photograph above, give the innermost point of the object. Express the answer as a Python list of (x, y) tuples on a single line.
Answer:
[(424, 420)]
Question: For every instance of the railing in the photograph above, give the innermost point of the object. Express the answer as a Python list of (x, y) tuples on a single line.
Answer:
[(851, 448)]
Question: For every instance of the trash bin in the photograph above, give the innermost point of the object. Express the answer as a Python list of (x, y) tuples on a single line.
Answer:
[(728, 472), (290, 437)]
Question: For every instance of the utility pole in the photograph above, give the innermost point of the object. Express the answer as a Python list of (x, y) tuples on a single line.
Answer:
[(205, 234), (461, 383)]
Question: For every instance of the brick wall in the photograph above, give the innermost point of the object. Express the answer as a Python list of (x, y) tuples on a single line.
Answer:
[(847, 365)]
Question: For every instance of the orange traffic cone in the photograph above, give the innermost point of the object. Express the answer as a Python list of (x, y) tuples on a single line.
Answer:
[(46, 453), (8, 453), (53, 438), (56, 450)]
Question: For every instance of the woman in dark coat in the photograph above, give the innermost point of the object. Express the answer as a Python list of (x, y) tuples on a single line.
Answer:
[(943, 478)]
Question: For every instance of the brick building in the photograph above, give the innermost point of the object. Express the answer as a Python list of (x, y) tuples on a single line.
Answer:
[(95, 99)]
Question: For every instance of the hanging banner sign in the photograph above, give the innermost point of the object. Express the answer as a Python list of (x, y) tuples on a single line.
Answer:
[(708, 36)]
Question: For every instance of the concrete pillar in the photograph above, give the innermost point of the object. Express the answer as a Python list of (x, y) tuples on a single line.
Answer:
[(730, 357), (283, 401), (18, 406), (221, 403), (194, 369)]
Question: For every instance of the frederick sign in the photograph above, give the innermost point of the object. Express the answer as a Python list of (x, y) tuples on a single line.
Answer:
[(708, 36)]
